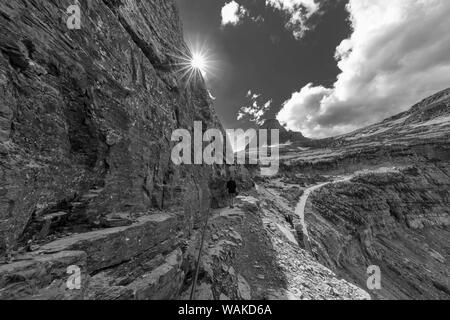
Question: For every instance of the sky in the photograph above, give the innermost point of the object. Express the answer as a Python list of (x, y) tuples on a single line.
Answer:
[(322, 67)]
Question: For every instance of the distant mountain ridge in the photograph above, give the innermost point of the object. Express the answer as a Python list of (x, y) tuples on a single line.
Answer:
[(428, 119), (285, 135)]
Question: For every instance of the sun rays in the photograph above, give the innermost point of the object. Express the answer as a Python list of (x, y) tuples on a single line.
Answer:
[(195, 63), (199, 62)]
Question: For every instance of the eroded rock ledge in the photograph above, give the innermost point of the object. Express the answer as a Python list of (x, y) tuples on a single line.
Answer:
[(141, 261)]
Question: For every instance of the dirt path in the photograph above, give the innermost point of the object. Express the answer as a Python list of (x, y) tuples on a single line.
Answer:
[(304, 277), (300, 209), (251, 252)]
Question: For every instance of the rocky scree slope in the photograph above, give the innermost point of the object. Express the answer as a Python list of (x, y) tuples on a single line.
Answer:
[(86, 118), (251, 252)]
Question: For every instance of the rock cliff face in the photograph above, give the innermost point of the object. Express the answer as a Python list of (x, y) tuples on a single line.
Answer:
[(87, 115), (383, 199), (86, 118)]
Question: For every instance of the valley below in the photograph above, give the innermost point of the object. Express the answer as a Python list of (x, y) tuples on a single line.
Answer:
[(380, 197)]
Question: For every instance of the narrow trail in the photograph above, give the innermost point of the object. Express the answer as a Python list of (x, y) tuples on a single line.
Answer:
[(303, 277), (300, 209)]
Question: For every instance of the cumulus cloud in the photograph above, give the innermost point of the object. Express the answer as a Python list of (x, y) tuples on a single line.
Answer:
[(397, 54), (232, 13), (298, 11), (255, 111)]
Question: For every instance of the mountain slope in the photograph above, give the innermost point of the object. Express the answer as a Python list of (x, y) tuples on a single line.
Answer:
[(391, 206), (420, 134), (427, 120)]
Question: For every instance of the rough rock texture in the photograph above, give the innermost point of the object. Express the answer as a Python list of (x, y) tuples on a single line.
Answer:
[(86, 177), (110, 247), (252, 252), (398, 221), (142, 261), (29, 276), (383, 199), (87, 115)]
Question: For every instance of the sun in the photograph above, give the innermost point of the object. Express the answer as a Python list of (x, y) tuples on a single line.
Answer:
[(195, 63), (199, 62)]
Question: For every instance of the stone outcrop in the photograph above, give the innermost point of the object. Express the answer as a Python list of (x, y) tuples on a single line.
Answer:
[(396, 220), (140, 261), (45, 275), (87, 115), (86, 177)]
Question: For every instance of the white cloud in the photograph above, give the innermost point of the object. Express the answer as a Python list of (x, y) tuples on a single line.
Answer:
[(255, 111), (299, 12), (232, 13), (397, 54), (252, 95)]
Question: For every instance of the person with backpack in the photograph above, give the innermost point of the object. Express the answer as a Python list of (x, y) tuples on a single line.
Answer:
[(232, 191)]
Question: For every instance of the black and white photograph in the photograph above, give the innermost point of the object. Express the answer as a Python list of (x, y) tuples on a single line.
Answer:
[(225, 155)]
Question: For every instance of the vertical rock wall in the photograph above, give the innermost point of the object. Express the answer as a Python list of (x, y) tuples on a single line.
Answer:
[(86, 116)]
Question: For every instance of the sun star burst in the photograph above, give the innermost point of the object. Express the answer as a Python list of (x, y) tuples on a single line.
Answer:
[(199, 62), (194, 64)]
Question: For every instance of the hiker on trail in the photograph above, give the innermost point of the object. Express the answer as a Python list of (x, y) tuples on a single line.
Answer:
[(232, 191)]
